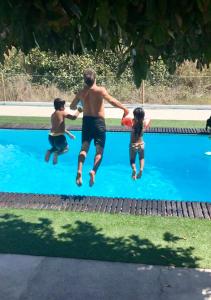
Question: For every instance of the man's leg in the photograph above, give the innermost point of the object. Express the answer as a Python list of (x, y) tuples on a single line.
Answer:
[(81, 159), (97, 161)]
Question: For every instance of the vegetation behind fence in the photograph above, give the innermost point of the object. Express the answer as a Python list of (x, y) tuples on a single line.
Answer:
[(42, 76)]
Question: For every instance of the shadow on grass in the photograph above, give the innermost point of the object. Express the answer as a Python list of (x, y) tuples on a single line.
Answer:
[(83, 240)]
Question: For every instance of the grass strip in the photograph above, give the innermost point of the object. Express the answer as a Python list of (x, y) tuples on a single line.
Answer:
[(123, 238), (109, 122)]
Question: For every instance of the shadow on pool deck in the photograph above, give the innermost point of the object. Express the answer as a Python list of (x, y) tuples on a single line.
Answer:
[(85, 241)]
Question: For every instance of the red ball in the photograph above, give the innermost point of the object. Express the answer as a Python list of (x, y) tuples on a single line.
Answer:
[(128, 122)]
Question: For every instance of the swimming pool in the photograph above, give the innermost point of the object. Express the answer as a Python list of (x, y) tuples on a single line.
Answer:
[(176, 167)]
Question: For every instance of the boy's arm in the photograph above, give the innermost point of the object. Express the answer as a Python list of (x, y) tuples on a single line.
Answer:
[(69, 134), (70, 116), (114, 102)]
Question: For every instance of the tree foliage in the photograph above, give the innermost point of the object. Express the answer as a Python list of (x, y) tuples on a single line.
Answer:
[(65, 70), (141, 30)]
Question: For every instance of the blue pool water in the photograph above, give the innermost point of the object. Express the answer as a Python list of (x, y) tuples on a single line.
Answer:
[(176, 167)]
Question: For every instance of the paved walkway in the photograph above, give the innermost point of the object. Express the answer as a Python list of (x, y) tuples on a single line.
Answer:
[(165, 112), (33, 278)]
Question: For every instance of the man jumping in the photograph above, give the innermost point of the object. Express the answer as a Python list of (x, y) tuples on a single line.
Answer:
[(93, 124)]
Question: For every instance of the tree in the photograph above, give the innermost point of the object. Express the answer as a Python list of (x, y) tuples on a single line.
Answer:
[(142, 30)]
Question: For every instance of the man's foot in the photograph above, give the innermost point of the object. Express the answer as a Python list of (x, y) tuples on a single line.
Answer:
[(92, 178), (134, 174), (55, 158), (79, 179), (139, 174), (47, 156)]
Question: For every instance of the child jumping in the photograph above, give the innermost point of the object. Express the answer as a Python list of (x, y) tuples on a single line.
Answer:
[(56, 136), (136, 146)]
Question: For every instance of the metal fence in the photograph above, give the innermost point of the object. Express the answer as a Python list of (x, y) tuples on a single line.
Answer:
[(173, 90)]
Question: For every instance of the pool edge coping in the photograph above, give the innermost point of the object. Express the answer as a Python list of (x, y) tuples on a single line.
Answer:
[(172, 130), (129, 206)]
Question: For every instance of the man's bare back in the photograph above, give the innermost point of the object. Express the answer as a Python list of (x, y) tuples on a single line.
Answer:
[(93, 103)]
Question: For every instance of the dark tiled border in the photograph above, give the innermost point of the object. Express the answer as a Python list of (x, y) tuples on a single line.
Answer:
[(107, 205), (110, 128), (104, 204)]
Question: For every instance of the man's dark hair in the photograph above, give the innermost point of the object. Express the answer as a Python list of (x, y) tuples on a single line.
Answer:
[(58, 103), (89, 77)]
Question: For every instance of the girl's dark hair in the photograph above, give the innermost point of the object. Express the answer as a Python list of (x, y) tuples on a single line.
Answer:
[(138, 121)]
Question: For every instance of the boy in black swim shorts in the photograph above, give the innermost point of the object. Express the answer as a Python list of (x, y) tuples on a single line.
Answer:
[(56, 136)]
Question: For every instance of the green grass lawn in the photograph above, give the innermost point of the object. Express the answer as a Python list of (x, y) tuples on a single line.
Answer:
[(123, 238), (109, 122)]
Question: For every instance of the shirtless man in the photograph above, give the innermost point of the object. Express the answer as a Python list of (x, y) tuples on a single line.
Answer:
[(93, 124), (56, 136)]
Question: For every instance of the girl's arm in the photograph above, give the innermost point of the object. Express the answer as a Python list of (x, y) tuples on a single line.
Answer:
[(147, 123)]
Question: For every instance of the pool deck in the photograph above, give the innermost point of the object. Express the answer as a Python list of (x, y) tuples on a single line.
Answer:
[(155, 111), (32, 278)]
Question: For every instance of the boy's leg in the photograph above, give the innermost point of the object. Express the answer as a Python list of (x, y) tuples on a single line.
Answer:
[(132, 153), (61, 145), (48, 154), (97, 162), (50, 151), (59, 152), (81, 159)]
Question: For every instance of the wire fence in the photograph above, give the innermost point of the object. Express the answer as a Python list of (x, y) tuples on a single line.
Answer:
[(172, 90)]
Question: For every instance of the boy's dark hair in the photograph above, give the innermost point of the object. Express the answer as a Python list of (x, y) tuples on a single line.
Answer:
[(58, 103), (89, 77), (139, 115)]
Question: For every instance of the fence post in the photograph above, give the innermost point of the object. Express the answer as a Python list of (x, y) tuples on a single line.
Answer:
[(142, 92), (3, 85)]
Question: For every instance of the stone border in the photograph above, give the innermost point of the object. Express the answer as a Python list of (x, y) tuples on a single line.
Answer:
[(146, 207), (106, 204), (171, 130)]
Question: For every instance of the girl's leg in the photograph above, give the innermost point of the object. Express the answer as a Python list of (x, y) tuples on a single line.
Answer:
[(132, 162), (141, 161)]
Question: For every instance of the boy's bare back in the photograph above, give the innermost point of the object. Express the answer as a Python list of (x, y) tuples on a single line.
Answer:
[(58, 122)]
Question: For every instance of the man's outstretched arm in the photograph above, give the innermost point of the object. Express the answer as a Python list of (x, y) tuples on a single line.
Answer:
[(114, 102), (73, 104)]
